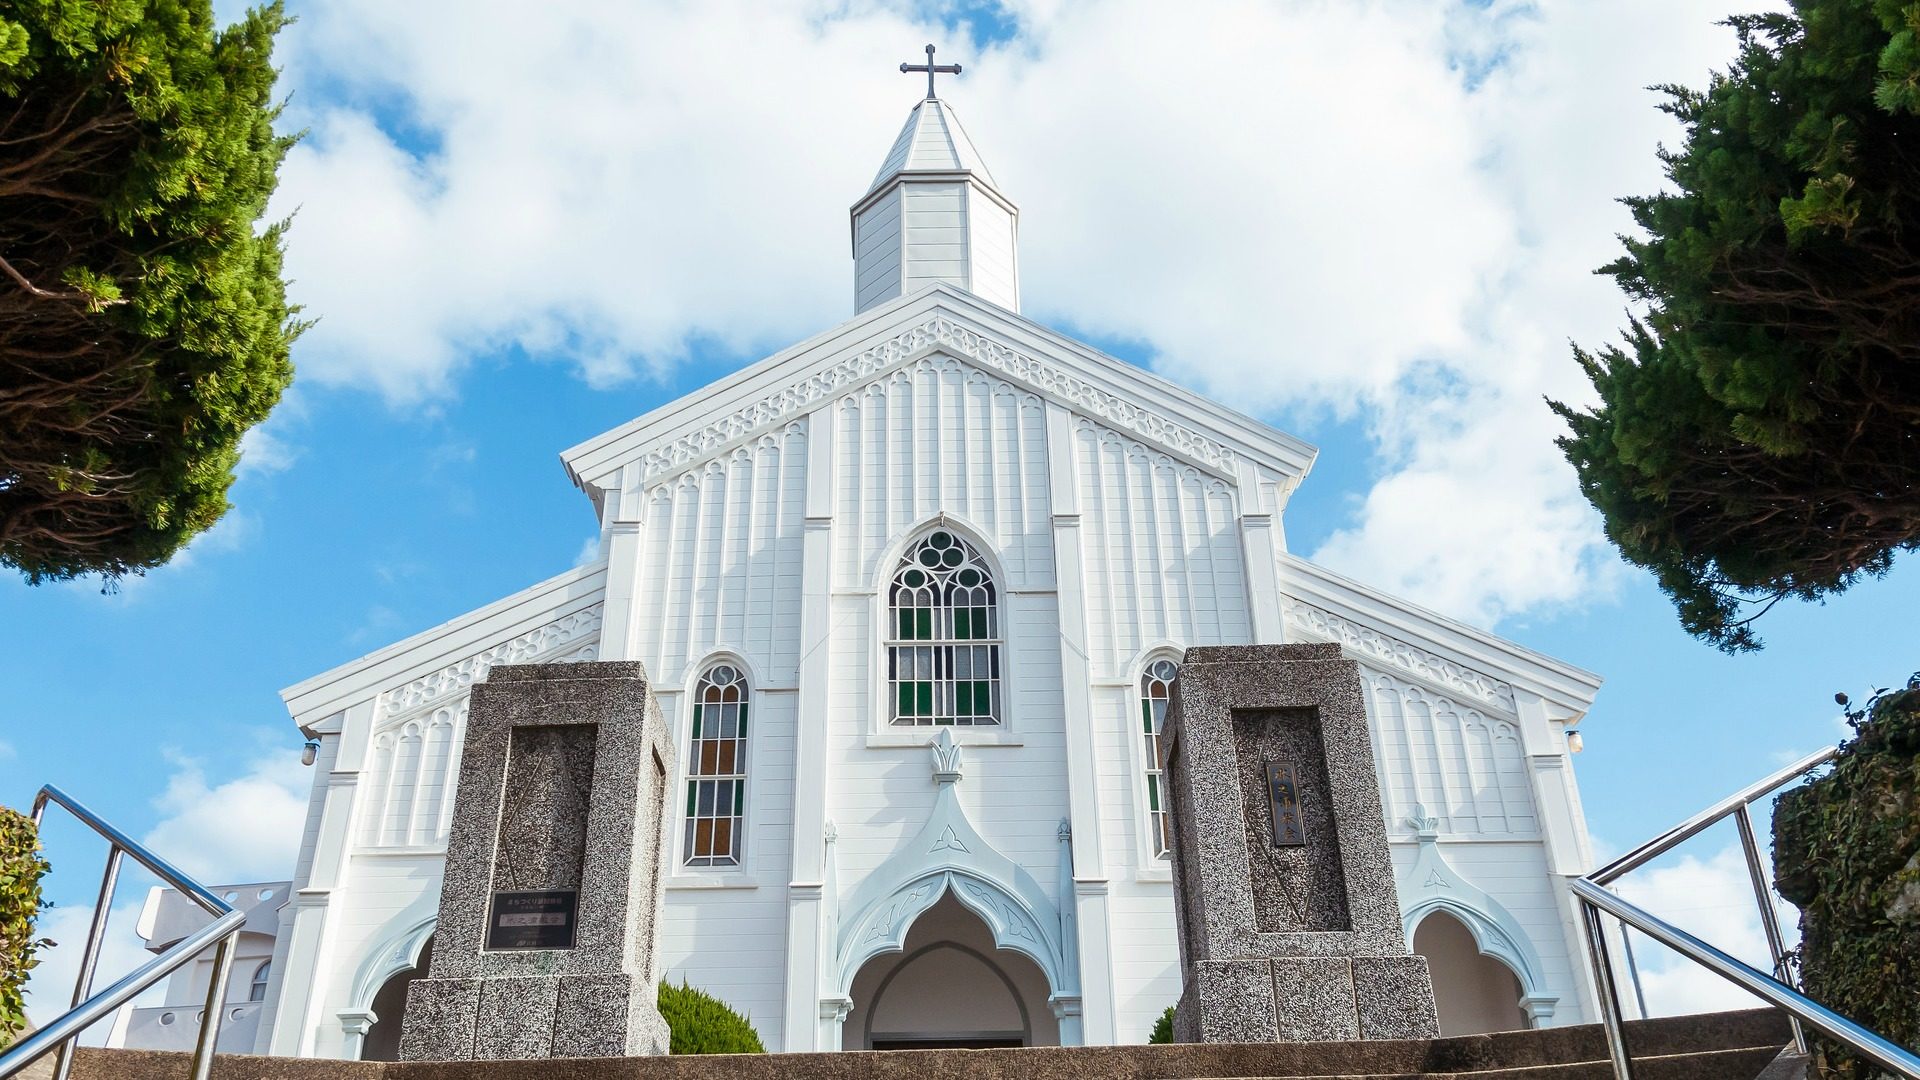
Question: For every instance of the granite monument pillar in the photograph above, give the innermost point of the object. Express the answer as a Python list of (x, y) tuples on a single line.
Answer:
[(1283, 887), (551, 894)]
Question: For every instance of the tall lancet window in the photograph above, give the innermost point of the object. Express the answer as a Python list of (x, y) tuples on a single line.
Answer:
[(717, 768), (1156, 687), (943, 652)]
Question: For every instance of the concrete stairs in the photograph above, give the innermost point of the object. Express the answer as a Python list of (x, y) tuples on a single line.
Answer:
[(1718, 1046)]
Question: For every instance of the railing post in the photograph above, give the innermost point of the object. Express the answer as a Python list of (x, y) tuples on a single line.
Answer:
[(90, 954), (1769, 916), (216, 1008), (1609, 991)]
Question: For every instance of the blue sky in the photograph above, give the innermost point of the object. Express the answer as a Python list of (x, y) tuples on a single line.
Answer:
[(496, 283)]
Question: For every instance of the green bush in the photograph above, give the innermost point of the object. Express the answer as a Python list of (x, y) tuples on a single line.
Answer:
[(1846, 851), (21, 868), (1163, 1028), (703, 1024)]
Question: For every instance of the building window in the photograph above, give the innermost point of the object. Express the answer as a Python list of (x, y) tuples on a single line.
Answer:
[(943, 649), (717, 768), (1156, 687), (257, 990)]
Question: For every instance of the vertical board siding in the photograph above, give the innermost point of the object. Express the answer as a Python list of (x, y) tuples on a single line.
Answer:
[(1163, 556), (1465, 765), (938, 437), (721, 568)]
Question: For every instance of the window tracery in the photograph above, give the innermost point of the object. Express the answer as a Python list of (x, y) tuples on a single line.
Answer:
[(943, 644), (1156, 689), (717, 768)]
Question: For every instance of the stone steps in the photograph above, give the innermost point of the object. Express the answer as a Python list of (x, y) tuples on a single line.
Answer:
[(1721, 1046)]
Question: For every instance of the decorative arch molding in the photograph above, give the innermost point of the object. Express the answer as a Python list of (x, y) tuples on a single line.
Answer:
[(402, 939), (959, 524), (1433, 884), (949, 855)]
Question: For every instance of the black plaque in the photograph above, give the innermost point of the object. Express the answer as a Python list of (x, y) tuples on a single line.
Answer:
[(1283, 791), (533, 919)]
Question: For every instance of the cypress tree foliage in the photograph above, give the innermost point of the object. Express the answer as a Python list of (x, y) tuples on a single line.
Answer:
[(1758, 436), (1162, 1028), (144, 325), (703, 1024)]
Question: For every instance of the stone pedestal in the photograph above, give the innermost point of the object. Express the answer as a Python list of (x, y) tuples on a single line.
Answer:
[(1289, 923), (549, 905)]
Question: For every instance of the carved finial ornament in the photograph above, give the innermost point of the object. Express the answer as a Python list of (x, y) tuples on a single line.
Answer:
[(946, 758)]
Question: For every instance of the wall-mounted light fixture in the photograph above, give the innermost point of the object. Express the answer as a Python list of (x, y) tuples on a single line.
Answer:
[(310, 751), (1575, 743)]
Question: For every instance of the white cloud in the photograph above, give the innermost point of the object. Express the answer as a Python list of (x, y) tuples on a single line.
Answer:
[(1713, 899), (7, 752), (589, 551), (243, 829), (50, 990), (1387, 208), (263, 453)]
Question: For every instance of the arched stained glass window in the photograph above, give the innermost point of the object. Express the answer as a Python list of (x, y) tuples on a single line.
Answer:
[(717, 768), (1156, 687), (257, 989), (943, 645)]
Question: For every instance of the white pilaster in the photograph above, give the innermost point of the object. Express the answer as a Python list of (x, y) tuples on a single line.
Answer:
[(808, 951), (305, 978), (1088, 891), (1563, 830), (621, 538)]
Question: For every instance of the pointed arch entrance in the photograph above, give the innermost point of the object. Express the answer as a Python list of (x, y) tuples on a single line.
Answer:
[(950, 986)]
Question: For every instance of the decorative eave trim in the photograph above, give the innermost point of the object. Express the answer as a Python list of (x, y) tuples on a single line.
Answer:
[(1477, 658), (1402, 656), (939, 318), (311, 699)]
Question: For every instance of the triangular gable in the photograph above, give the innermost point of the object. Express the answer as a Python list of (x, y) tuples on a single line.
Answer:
[(946, 320), (1429, 647)]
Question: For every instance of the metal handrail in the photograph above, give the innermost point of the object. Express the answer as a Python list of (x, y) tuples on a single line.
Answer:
[(1751, 979), (1595, 898), (89, 1007)]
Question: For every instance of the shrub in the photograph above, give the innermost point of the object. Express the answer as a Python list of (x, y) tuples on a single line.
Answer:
[(21, 868), (703, 1024), (1163, 1028), (1846, 851)]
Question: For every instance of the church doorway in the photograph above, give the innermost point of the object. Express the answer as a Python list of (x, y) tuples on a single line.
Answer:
[(949, 987), (382, 1041), (1474, 993)]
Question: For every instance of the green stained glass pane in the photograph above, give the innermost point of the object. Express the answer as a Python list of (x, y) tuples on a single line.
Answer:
[(691, 788), (1146, 714), (739, 798), (906, 624), (982, 699), (696, 721), (743, 719), (1153, 793), (924, 693), (923, 623), (906, 699), (980, 623), (963, 699), (961, 624)]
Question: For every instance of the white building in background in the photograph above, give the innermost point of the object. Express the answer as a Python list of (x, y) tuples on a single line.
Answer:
[(165, 919), (941, 516)]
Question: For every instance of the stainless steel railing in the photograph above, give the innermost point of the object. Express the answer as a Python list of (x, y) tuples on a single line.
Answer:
[(1597, 900), (89, 1007)]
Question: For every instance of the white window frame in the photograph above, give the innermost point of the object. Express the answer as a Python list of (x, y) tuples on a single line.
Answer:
[(882, 732), (1151, 865), (257, 986), (743, 770)]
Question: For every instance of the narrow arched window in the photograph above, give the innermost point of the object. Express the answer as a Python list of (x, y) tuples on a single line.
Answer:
[(717, 768), (257, 990), (943, 646), (1156, 687)]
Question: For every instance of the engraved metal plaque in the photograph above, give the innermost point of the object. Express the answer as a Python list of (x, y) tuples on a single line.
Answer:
[(533, 919), (1283, 792)]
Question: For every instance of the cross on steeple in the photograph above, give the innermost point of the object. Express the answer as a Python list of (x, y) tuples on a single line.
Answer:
[(930, 67)]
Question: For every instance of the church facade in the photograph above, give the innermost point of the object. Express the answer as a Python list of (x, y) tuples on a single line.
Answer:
[(913, 595)]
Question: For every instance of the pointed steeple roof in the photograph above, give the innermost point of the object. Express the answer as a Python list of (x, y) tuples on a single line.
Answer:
[(932, 141)]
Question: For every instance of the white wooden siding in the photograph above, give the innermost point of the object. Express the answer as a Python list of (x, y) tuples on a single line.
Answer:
[(1464, 764), (934, 218), (938, 437), (876, 252), (991, 253)]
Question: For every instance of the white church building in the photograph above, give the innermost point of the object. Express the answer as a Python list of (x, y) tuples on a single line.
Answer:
[(941, 517)]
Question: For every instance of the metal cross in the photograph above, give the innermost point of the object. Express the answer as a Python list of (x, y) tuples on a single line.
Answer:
[(930, 67)]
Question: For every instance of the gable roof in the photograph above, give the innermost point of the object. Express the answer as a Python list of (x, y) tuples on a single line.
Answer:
[(937, 319)]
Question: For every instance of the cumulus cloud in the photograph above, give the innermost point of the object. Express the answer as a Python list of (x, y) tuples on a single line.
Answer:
[(1387, 209), (49, 991), (1713, 899), (242, 829)]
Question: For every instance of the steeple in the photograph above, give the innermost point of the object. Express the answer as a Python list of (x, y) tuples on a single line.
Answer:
[(934, 213)]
